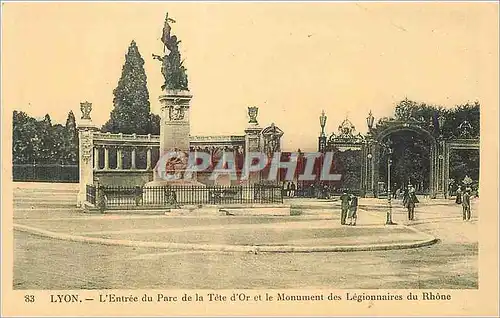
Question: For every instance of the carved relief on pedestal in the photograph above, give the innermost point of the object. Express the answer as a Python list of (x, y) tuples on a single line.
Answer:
[(253, 143), (86, 146), (176, 112)]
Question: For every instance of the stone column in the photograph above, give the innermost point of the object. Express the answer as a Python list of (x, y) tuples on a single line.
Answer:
[(106, 157), (148, 158), (86, 150), (96, 158), (119, 158), (133, 158), (174, 128), (253, 139)]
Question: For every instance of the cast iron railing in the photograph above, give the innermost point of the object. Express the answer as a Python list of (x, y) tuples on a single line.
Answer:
[(45, 173), (176, 196), (91, 194)]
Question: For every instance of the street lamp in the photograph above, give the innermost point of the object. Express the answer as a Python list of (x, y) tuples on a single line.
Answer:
[(389, 196), (369, 121), (322, 122), (322, 137)]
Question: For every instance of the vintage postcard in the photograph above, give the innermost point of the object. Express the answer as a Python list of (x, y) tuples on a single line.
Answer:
[(249, 158)]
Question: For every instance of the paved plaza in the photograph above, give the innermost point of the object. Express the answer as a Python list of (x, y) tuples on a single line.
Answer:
[(59, 247)]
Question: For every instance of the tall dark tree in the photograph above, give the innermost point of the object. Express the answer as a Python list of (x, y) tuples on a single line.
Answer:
[(154, 121), (48, 142), (131, 97), (71, 140)]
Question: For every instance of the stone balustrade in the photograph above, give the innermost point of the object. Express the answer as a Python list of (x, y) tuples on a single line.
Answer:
[(130, 144)]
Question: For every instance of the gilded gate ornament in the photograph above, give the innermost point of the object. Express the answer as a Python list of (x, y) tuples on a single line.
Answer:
[(86, 108), (252, 113)]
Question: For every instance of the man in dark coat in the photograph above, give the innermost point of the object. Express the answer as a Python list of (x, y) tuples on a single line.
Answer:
[(353, 210), (410, 205), (466, 204), (344, 201)]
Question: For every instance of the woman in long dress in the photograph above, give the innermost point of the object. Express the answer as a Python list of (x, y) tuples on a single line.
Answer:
[(405, 197), (458, 200)]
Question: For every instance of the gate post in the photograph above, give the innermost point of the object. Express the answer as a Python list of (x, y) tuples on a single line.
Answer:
[(440, 169), (369, 171), (85, 151)]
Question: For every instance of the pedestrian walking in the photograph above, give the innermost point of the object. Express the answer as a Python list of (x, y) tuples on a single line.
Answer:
[(344, 203), (411, 203), (353, 209), (292, 190), (405, 197), (466, 205), (102, 199)]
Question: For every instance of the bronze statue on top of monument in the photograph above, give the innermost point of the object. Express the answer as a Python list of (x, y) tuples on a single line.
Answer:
[(172, 166), (172, 68)]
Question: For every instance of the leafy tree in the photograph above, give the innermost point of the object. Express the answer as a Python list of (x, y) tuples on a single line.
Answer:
[(131, 113), (464, 162), (25, 141), (58, 150), (348, 164), (41, 142)]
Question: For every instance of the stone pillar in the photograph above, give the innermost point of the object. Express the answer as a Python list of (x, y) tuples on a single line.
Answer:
[(133, 158), (106, 157), (119, 158), (96, 158), (86, 131), (148, 158), (174, 131), (446, 168), (321, 143), (174, 128), (253, 139)]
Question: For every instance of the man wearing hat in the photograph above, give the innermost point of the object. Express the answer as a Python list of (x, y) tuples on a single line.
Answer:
[(344, 200), (411, 201), (466, 204)]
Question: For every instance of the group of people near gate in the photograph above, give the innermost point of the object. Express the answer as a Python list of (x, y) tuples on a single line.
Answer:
[(289, 189), (349, 205), (463, 198)]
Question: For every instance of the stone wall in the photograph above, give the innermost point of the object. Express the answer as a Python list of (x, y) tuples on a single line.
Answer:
[(125, 178)]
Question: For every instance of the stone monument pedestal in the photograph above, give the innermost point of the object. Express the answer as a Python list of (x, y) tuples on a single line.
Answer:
[(174, 137)]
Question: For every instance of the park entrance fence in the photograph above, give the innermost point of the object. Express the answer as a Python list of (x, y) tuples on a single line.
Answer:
[(117, 197), (45, 173)]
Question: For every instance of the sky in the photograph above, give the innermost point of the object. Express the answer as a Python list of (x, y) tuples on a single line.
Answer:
[(292, 60)]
